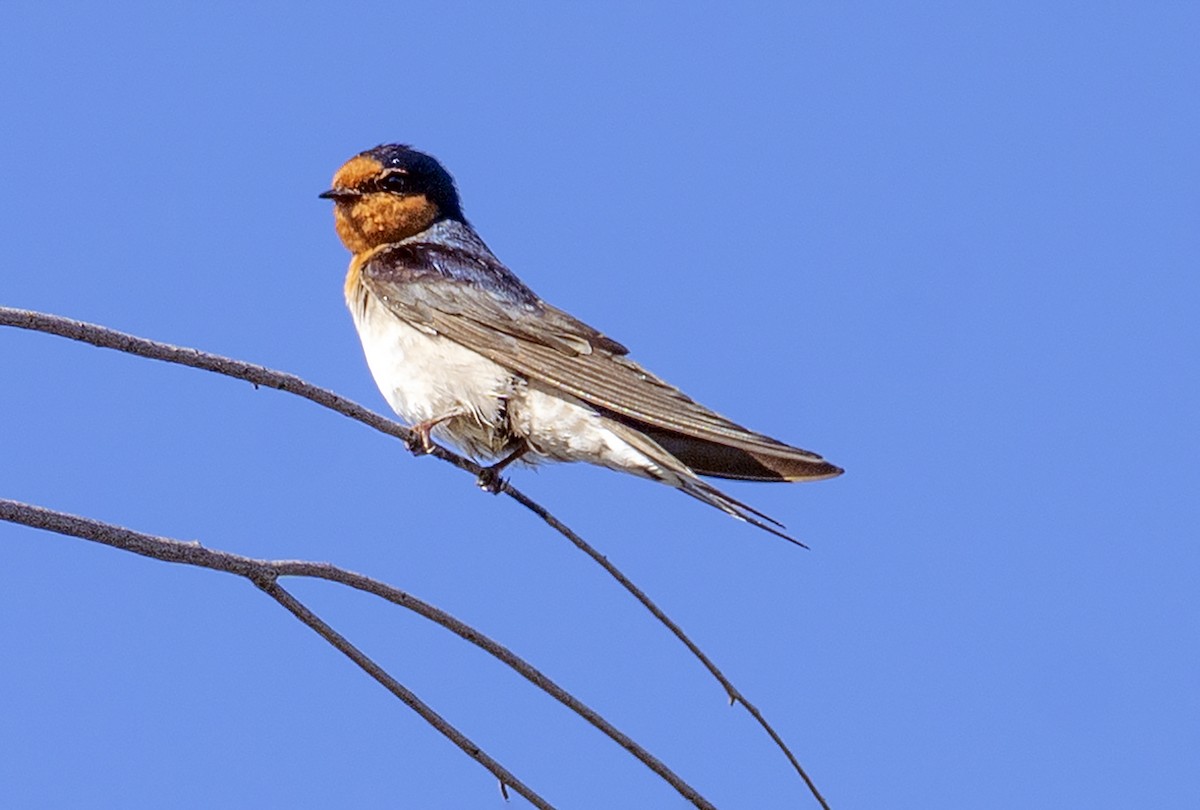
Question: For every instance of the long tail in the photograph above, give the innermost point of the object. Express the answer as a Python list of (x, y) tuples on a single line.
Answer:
[(706, 492), (673, 472)]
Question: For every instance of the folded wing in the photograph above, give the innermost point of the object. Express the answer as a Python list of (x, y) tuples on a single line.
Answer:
[(527, 335)]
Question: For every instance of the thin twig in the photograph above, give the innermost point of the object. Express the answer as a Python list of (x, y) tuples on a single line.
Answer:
[(472, 750), (263, 574), (107, 338), (735, 696), (494, 648), (260, 375)]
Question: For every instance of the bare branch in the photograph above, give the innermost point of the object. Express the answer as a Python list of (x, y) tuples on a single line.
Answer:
[(494, 648), (260, 375), (262, 574), (735, 696), (407, 697), (265, 573), (107, 338)]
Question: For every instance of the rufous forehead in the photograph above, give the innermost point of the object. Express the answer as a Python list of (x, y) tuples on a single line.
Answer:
[(356, 171)]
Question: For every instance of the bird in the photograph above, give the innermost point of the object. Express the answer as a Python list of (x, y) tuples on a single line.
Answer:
[(465, 352)]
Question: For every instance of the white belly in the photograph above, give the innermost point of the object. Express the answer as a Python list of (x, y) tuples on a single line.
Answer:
[(560, 427), (425, 377)]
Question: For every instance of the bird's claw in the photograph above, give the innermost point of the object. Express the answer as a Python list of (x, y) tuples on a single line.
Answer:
[(489, 480), (419, 442)]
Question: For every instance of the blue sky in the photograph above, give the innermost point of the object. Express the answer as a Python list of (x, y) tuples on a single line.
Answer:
[(953, 249)]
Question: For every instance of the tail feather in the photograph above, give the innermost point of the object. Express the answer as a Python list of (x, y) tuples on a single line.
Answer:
[(672, 471), (769, 460), (733, 507)]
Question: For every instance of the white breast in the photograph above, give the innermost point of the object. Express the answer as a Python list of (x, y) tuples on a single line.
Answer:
[(426, 377)]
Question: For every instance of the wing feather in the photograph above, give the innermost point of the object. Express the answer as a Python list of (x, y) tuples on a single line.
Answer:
[(530, 337)]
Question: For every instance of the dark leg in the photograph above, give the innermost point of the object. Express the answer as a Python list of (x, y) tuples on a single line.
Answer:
[(489, 477), (421, 443)]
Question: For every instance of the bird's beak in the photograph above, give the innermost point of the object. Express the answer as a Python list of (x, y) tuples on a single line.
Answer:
[(338, 194)]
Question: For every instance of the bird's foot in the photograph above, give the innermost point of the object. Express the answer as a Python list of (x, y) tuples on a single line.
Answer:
[(489, 479), (419, 442)]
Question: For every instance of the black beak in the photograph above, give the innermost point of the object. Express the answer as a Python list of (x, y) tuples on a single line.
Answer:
[(338, 194)]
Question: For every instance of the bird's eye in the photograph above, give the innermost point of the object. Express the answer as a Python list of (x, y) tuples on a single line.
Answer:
[(395, 182)]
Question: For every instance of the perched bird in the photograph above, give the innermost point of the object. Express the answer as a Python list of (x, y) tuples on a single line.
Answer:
[(464, 351)]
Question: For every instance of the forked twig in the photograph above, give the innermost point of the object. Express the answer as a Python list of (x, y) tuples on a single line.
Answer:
[(260, 375), (265, 574), (262, 574), (297, 609)]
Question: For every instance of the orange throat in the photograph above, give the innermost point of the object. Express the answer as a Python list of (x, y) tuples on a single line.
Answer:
[(380, 219)]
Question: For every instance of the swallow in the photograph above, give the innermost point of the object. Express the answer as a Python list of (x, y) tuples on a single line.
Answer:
[(466, 353)]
